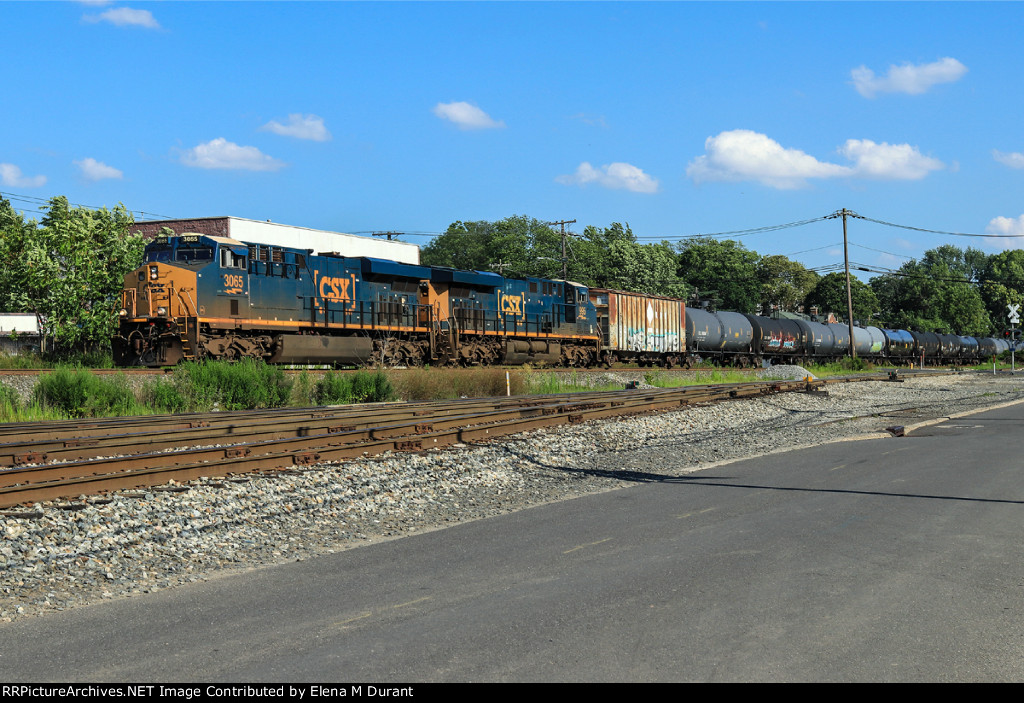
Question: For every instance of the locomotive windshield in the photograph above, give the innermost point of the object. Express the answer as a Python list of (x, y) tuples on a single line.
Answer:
[(180, 252), (158, 252), (189, 252)]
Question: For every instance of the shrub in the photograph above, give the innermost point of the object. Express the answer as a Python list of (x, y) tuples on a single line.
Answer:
[(241, 385), (359, 387), (78, 393)]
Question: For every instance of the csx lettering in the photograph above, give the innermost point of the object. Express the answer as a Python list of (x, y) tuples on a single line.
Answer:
[(335, 289), (233, 281), (510, 305)]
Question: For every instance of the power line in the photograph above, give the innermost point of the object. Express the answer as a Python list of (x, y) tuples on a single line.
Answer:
[(880, 251), (33, 200), (743, 232), (936, 231)]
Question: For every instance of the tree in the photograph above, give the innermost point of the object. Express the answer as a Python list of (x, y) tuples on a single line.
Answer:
[(601, 257), (1003, 284), (478, 246), (936, 294), (829, 295), (724, 267), (785, 284), (13, 228), (69, 270)]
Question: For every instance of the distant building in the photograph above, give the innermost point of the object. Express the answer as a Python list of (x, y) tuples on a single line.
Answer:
[(260, 232), (19, 331)]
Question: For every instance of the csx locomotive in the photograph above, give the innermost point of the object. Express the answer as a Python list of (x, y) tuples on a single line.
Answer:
[(208, 297)]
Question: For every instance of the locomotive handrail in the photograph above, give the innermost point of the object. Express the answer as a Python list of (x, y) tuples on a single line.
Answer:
[(195, 308)]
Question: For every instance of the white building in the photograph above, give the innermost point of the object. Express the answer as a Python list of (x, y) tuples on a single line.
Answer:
[(272, 233)]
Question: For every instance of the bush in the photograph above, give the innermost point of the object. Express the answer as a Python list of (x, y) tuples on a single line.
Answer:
[(78, 393), (359, 387), (242, 385), (9, 400), (164, 396)]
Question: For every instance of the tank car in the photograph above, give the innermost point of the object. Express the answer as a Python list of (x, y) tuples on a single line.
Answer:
[(721, 337)]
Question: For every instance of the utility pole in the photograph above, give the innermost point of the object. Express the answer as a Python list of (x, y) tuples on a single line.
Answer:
[(389, 235), (844, 213), (501, 266), (565, 259)]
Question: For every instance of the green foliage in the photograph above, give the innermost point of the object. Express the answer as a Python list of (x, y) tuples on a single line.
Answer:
[(358, 387), (242, 385), (68, 270), (938, 294), (303, 388), (784, 284), (843, 366), (100, 359), (725, 269), (165, 397), (829, 295), (78, 393), (515, 241), (600, 257), (1003, 284), (9, 399)]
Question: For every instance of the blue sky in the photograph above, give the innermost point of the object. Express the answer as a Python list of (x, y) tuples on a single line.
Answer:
[(677, 118)]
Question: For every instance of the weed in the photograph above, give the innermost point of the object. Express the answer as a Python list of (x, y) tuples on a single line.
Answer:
[(78, 393), (360, 387)]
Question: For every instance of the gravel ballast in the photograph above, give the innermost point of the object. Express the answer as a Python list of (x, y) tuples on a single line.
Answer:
[(142, 541)]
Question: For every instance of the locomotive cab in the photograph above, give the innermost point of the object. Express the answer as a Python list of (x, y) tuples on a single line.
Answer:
[(159, 309)]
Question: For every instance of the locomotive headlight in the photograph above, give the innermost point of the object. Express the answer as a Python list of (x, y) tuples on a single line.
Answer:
[(152, 272), (161, 311), (123, 313)]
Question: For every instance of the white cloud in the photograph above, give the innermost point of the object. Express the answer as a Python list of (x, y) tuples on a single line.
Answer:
[(222, 154), (743, 155), (1005, 225), (618, 176), (1013, 159), (93, 170), (592, 120), (125, 17), (908, 78), (888, 161), (301, 127), (10, 175), (466, 116)]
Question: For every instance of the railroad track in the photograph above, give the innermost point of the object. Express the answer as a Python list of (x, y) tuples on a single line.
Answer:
[(54, 460)]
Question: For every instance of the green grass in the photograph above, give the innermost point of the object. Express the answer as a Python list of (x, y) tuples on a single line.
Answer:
[(88, 360), (701, 377)]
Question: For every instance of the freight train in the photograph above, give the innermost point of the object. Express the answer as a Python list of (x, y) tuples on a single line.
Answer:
[(207, 297)]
